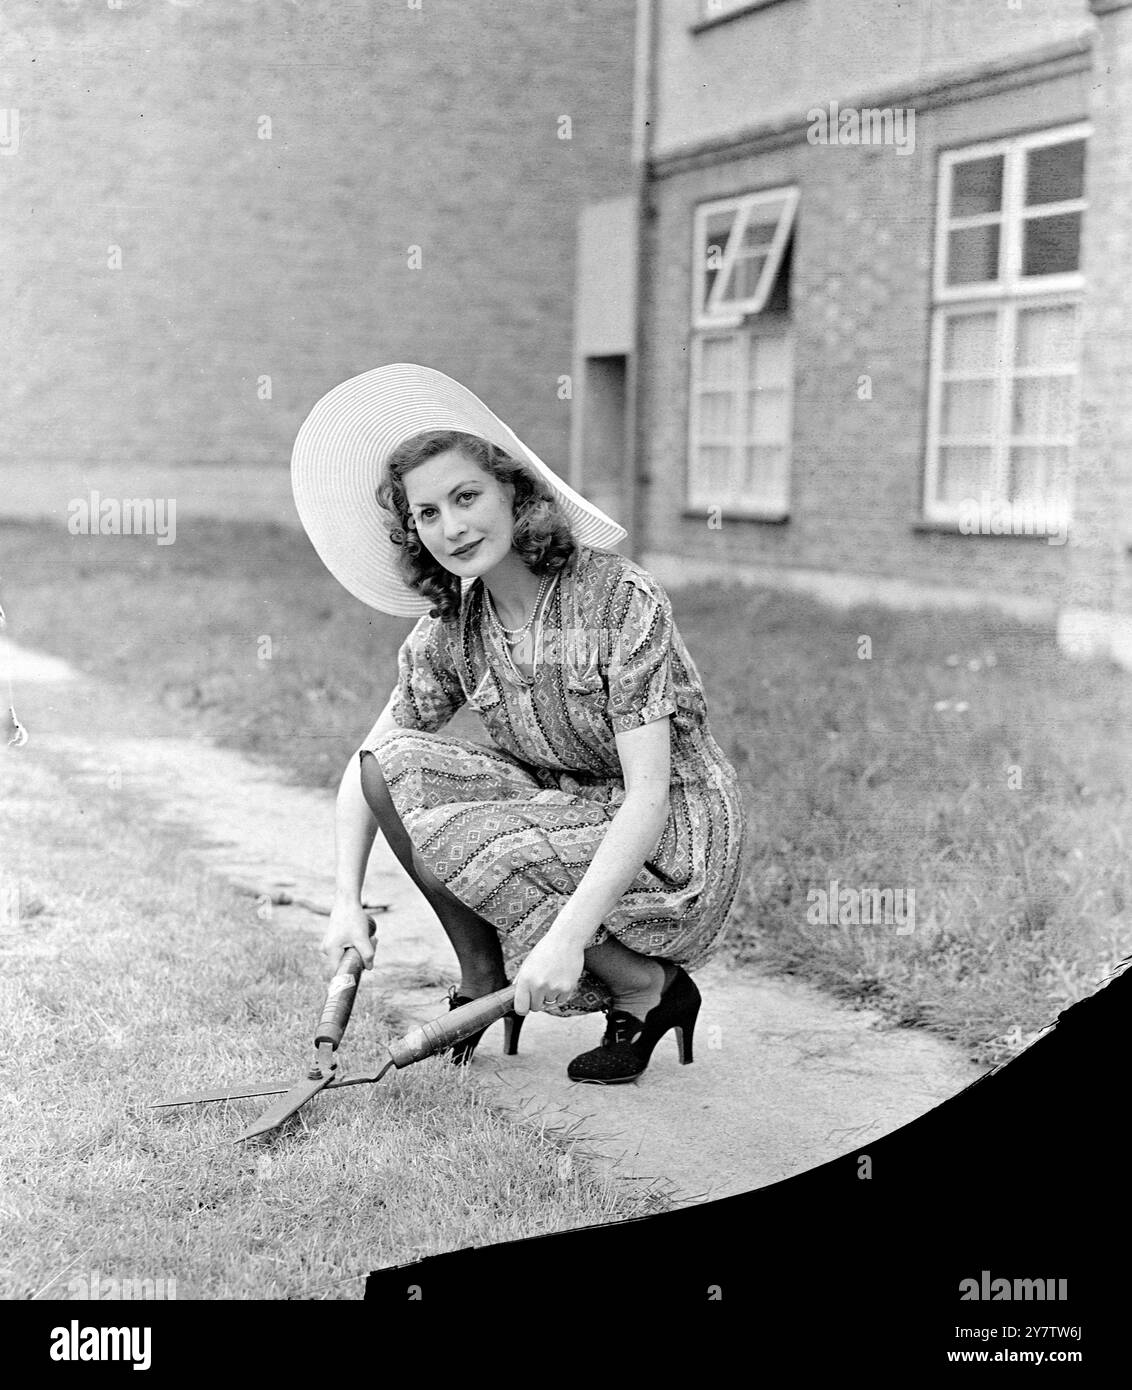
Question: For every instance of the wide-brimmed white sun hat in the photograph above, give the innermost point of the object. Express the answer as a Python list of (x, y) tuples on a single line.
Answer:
[(339, 459)]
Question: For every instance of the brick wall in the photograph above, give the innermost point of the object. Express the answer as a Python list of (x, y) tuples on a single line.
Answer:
[(1100, 560), (436, 126), (861, 305)]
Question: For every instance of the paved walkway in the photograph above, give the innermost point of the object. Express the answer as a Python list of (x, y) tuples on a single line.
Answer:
[(784, 1078)]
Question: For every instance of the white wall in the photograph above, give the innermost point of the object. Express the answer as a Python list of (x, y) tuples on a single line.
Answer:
[(795, 54)]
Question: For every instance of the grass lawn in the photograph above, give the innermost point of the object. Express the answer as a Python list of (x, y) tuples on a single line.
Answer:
[(959, 757), (130, 974)]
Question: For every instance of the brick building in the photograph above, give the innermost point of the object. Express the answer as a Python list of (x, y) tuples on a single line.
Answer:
[(871, 337), (209, 209)]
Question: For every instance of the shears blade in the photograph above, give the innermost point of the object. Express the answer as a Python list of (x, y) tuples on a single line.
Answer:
[(270, 1088), (261, 1088), (285, 1107)]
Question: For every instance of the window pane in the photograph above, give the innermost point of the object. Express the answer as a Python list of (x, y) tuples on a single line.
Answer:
[(715, 415), (744, 278), (761, 226), (1039, 475), (712, 469), (718, 229), (976, 186), (1043, 407), (1051, 245), (1047, 337), (769, 363), (963, 473), (968, 408), (970, 343), (717, 362), (1055, 173), (765, 475), (767, 417), (719, 225), (972, 255)]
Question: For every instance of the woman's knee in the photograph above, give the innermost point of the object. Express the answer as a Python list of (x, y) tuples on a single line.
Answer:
[(391, 742), (394, 752)]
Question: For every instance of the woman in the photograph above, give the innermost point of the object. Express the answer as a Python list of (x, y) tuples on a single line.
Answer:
[(597, 843)]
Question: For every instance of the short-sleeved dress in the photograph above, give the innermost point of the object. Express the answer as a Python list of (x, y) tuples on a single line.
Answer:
[(511, 829)]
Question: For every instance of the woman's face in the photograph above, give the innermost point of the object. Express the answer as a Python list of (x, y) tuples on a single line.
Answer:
[(456, 503)]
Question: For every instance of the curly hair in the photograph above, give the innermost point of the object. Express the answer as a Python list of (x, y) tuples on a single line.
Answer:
[(541, 534)]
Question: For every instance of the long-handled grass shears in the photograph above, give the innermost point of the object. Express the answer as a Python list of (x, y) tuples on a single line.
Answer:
[(423, 1041)]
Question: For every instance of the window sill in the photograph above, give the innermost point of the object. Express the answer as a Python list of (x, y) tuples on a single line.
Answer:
[(954, 528), (772, 516), (713, 20)]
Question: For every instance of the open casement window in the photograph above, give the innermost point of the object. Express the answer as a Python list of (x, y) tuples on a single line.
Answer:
[(740, 428), (1003, 387), (740, 243)]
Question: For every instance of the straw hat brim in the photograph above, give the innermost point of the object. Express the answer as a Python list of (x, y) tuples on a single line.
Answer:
[(338, 461)]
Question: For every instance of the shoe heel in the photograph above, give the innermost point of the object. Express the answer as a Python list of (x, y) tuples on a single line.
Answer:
[(512, 1025), (685, 1033)]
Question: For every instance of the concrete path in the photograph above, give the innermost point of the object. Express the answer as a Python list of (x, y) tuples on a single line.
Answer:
[(784, 1078)]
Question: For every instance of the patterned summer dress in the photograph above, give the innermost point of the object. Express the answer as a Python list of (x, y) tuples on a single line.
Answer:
[(511, 829)]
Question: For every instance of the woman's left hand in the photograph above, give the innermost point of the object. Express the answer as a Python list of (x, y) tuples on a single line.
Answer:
[(549, 975)]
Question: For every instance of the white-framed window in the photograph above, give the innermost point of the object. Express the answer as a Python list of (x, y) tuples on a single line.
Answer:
[(742, 357), (741, 422), (1005, 345), (739, 247)]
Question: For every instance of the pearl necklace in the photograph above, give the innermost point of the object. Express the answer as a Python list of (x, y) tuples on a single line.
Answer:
[(513, 634)]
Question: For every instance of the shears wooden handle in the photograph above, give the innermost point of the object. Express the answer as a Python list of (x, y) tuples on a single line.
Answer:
[(340, 994), (439, 1033)]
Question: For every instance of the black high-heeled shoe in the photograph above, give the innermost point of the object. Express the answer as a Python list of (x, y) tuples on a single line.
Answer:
[(460, 1054), (628, 1042)]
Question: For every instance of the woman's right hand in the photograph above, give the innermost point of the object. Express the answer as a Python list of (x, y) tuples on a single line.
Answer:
[(348, 926)]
